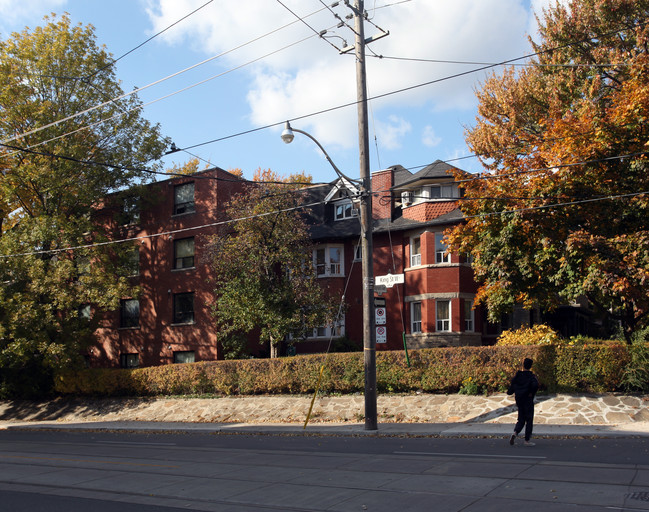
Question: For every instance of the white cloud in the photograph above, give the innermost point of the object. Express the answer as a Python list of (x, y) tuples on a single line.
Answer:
[(13, 12), (390, 133), (429, 138), (311, 76)]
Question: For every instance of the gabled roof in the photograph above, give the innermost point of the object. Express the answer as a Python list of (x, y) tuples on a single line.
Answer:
[(435, 171), (342, 189)]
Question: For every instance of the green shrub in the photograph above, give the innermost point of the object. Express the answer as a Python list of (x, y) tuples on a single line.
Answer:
[(636, 373), (576, 367)]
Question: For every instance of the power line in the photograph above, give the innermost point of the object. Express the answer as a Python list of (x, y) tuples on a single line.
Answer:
[(157, 235), (148, 40), (139, 89)]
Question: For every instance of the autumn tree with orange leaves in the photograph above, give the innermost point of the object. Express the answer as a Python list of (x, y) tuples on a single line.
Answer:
[(562, 209)]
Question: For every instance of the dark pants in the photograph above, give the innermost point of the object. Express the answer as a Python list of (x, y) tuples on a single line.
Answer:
[(525, 406)]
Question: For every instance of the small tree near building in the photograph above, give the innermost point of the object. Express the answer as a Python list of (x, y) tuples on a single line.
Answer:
[(264, 279)]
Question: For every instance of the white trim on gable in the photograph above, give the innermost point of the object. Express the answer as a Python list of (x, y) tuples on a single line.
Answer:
[(342, 189)]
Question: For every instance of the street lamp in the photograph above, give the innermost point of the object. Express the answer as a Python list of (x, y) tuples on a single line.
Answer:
[(369, 335), (288, 136)]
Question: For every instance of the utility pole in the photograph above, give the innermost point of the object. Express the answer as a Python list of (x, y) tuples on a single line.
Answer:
[(369, 329)]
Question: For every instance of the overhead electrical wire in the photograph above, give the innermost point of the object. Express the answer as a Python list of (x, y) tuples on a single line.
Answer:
[(139, 89), (506, 62), (114, 61), (325, 110), (157, 235)]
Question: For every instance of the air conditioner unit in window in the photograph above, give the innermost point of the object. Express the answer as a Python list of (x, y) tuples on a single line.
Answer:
[(406, 198)]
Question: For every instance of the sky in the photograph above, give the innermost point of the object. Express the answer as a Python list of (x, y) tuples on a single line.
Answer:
[(222, 81)]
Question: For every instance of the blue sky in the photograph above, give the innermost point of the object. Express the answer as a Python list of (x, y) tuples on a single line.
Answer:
[(266, 65)]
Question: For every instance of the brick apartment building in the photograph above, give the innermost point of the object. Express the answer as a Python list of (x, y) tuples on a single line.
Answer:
[(171, 220)]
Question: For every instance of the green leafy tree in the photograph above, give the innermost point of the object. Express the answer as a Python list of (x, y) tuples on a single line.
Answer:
[(570, 129), (55, 166), (264, 280)]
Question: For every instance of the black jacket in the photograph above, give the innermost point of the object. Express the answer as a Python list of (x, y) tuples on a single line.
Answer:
[(524, 383)]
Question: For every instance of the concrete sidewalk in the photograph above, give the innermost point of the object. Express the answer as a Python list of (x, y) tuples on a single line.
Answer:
[(607, 415)]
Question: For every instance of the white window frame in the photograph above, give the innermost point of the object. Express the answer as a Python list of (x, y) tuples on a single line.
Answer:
[(335, 330), (442, 191), (469, 316), (415, 318), (333, 261), (415, 257), (442, 324), (441, 254), (344, 210)]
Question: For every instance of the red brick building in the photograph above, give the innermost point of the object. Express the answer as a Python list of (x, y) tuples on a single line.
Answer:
[(434, 305), (168, 223)]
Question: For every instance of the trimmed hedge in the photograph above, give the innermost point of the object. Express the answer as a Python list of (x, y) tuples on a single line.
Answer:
[(583, 368)]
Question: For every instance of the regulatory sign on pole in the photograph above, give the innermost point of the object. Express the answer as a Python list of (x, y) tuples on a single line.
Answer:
[(379, 315), (381, 334)]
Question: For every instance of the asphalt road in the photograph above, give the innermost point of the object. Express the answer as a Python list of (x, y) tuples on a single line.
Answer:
[(56, 471)]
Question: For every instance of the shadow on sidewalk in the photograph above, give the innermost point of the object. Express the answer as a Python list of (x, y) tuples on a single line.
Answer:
[(503, 411)]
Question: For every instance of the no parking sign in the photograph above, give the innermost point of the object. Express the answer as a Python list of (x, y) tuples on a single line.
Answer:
[(379, 316), (381, 334)]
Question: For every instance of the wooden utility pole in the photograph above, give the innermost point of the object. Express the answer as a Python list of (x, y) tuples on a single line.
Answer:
[(369, 334)]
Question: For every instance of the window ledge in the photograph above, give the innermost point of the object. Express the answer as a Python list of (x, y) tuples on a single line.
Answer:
[(183, 269)]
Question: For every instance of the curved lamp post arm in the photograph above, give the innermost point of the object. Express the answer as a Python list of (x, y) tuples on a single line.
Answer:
[(287, 137)]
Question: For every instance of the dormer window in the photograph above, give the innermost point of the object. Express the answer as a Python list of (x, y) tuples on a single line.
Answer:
[(344, 210)]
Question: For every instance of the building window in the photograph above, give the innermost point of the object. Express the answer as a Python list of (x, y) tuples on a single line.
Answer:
[(344, 210), (184, 199), (443, 192), (441, 254), (336, 330), (415, 317), (469, 316), (358, 252), (185, 356), (415, 251), (132, 262), (184, 308), (328, 260), (444, 315), (129, 313), (130, 210), (184, 253), (129, 360)]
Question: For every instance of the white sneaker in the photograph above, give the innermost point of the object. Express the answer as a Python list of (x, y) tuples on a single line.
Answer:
[(529, 443)]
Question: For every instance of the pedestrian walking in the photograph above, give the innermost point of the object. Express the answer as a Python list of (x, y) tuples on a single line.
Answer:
[(524, 386)]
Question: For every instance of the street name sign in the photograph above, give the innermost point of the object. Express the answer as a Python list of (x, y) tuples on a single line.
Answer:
[(389, 280)]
